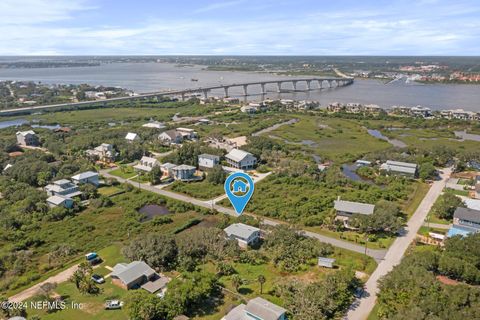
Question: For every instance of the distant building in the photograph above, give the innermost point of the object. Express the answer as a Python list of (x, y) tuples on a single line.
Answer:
[(257, 309), (86, 177), (171, 137), (132, 137), (400, 168), (245, 235), (55, 201), (241, 159), (349, 208), (184, 172), (363, 163), (146, 164), (27, 138), (154, 125), (465, 221), (103, 152), (208, 161), (62, 187), (187, 133)]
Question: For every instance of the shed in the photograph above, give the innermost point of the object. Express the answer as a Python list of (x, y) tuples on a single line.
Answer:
[(326, 262)]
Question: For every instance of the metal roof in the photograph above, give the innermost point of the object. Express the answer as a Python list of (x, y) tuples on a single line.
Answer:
[(85, 175), (209, 156), (238, 155), (401, 164), (240, 230), (184, 167), (131, 272), (354, 207), (264, 309), (396, 168), (57, 200)]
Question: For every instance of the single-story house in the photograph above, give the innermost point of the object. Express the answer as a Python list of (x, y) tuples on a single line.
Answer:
[(62, 187), (171, 137), (55, 201), (208, 161), (187, 133), (27, 138), (86, 177), (465, 221), (183, 172), (400, 168), (349, 208), (146, 164), (245, 235), (131, 137), (241, 159), (132, 275), (326, 262), (257, 309)]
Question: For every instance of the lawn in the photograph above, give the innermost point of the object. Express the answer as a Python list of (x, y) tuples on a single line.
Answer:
[(203, 190), (124, 172), (411, 205), (109, 190), (381, 242)]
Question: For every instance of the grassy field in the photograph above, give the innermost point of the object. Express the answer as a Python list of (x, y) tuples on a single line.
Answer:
[(330, 137), (125, 172), (416, 198), (354, 237), (201, 190), (109, 190)]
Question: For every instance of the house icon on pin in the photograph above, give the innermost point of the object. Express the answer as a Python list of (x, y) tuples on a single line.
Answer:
[(239, 186)]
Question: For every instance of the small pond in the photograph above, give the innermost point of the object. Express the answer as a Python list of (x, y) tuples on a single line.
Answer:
[(394, 142), (349, 172), (152, 210)]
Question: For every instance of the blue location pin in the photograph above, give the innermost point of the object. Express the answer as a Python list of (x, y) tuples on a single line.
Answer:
[(239, 182)]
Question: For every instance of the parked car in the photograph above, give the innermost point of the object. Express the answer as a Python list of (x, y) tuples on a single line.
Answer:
[(113, 304), (98, 278)]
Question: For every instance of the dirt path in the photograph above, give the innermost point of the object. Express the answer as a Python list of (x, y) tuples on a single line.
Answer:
[(30, 292)]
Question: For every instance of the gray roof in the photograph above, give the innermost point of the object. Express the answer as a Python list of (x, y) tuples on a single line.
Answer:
[(467, 214), (128, 273), (240, 230), (168, 165), (238, 155), (85, 175), (264, 309), (353, 207), (326, 260), (184, 167), (57, 200), (209, 156), (237, 313), (154, 286), (396, 168), (401, 164)]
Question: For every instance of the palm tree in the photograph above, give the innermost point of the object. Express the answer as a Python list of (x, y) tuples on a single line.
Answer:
[(236, 281), (261, 279)]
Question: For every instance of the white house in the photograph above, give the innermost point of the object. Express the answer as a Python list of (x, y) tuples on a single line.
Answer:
[(55, 201), (241, 159), (62, 187), (146, 164), (208, 161), (86, 177), (27, 138), (132, 137), (245, 235), (257, 309), (400, 168), (103, 152)]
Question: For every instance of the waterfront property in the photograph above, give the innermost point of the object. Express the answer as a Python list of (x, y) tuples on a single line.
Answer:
[(465, 221), (146, 164), (27, 138), (346, 209), (208, 161), (241, 159), (245, 235), (86, 177), (257, 309), (400, 168)]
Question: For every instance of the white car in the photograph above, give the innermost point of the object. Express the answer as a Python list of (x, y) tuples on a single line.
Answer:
[(113, 304)]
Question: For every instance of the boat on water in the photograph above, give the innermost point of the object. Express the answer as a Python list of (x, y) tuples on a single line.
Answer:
[(194, 80)]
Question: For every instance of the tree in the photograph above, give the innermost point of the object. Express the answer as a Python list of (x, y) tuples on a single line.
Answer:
[(261, 279), (236, 281), (385, 218), (216, 175), (445, 205), (82, 279), (155, 175), (157, 250), (427, 171), (141, 305)]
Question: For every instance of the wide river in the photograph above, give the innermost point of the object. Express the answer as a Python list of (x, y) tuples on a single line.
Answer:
[(149, 77)]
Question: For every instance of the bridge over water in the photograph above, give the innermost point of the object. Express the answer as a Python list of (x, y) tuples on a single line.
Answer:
[(311, 84)]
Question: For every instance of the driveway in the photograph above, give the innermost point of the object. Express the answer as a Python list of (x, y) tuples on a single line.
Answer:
[(362, 307)]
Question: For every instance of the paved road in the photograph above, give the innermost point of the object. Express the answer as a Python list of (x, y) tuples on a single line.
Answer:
[(362, 307), (376, 254), (33, 290)]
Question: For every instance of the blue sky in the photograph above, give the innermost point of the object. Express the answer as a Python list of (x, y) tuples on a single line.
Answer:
[(240, 27)]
